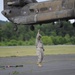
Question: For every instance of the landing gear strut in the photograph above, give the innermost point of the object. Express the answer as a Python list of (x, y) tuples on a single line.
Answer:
[(15, 28), (61, 24), (32, 28), (74, 24)]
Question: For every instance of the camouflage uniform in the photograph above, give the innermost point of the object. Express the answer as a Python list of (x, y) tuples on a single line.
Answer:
[(39, 47)]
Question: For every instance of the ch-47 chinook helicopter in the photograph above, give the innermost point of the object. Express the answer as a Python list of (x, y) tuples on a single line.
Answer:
[(31, 12)]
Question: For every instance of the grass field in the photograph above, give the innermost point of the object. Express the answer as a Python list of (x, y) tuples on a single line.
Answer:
[(13, 51)]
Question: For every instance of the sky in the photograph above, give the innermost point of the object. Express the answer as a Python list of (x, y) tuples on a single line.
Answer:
[(1, 8)]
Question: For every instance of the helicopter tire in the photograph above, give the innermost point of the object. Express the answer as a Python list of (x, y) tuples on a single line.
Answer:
[(32, 28), (15, 28), (74, 24)]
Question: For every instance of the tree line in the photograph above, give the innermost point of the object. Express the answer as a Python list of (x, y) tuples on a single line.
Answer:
[(52, 34)]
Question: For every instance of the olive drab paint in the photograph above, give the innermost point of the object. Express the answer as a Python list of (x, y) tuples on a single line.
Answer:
[(30, 12)]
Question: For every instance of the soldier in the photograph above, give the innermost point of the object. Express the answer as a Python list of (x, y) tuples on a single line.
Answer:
[(39, 49)]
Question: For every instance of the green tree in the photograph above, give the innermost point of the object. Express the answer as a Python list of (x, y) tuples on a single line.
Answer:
[(47, 40)]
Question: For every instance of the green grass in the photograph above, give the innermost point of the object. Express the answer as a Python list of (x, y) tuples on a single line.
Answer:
[(31, 50)]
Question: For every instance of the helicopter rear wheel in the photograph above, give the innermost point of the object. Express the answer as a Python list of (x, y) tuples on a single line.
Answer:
[(32, 28), (74, 24), (15, 28)]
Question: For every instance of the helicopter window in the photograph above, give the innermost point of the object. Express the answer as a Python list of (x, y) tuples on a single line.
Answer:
[(32, 10)]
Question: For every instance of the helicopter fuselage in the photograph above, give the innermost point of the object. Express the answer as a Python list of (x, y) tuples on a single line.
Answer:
[(40, 12)]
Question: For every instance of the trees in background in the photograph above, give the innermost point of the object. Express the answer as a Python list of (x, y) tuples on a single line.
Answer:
[(51, 34)]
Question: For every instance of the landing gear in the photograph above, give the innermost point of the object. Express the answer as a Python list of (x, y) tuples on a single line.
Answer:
[(15, 28), (61, 24), (74, 24), (32, 28)]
